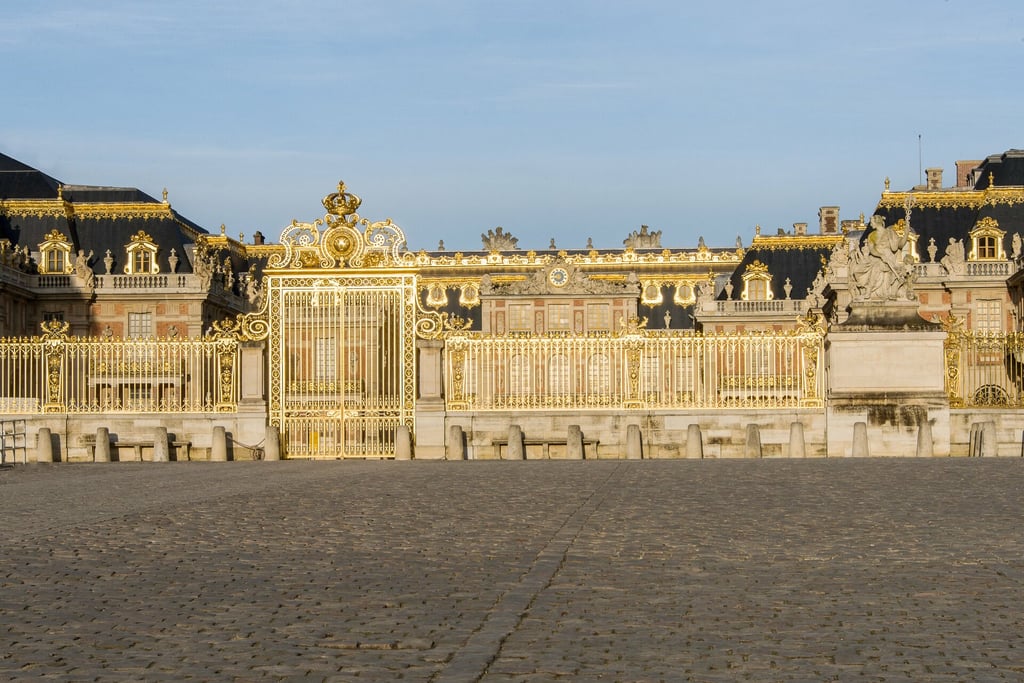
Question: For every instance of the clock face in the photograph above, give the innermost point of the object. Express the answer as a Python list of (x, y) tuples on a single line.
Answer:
[(558, 277)]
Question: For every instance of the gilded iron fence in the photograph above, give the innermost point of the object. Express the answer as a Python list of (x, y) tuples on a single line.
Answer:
[(635, 369), (984, 369), (55, 373)]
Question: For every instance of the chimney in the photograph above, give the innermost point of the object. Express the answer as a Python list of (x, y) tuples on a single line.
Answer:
[(964, 172), (934, 176), (799, 228), (828, 220)]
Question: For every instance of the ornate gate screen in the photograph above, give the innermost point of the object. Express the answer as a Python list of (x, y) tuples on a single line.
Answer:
[(341, 363), (341, 314)]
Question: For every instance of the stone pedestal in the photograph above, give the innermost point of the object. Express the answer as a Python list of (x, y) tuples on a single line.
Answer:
[(886, 368)]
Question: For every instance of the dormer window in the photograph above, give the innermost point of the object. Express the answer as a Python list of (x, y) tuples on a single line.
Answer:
[(55, 254), (987, 241), (757, 283), (141, 255)]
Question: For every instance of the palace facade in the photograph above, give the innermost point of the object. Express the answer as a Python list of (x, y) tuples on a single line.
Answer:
[(119, 313)]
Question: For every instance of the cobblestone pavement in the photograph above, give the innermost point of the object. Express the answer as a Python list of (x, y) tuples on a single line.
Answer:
[(812, 570)]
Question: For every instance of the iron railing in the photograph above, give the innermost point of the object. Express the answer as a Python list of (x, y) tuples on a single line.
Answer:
[(634, 370), (55, 373)]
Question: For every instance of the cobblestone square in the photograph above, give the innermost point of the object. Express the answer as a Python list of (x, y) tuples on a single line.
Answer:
[(741, 570)]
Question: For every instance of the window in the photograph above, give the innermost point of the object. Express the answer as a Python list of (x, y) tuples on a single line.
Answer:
[(988, 315), (56, 261), (650, 374), (55, 254), (558, 317), (599, 374), (141, 255), (140, 325), (986, 247), (51, 316), (757, 290), (559, 383), (520, 317), (599, 317), (326, 358), (987, 241), (757, 283), (519, 375), (142, 261)]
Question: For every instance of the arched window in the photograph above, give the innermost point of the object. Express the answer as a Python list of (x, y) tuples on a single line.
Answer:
[(757, 283), (55, 254), (598, 374), (559, 377), (141, 255), (987, 241)]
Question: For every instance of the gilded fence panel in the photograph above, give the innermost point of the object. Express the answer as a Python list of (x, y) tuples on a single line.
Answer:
[(56, 373), (635, 369), (984, 369)]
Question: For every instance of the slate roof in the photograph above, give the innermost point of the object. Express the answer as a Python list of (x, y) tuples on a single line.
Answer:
[(786, 257), (20, 181), (94, 230)]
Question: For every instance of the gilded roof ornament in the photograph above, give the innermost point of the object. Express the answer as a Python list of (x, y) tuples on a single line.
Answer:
[(348, 240)]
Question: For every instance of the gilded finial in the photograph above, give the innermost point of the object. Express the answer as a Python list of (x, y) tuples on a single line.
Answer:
[(757, 229), (223, 229), (60, 191), (991, 179), (241, 237), (165, 195), (886, 183)]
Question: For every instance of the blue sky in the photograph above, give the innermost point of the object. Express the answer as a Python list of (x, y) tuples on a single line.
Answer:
[(553, 118)]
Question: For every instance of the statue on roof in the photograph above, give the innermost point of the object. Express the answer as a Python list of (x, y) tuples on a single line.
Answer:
[(954, 261), (499, 240), (644, 239)]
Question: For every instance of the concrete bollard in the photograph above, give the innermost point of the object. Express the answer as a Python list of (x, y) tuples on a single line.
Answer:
[(44, 445), (403, 443), (797, 447), (455, 447), (272, 443), (860, 440), (634, 445), (161, 447), (219, 448), (102, 445), (989, 441), (694, 442), (516, 448), (925, 444), (574, 443), (752, 448)]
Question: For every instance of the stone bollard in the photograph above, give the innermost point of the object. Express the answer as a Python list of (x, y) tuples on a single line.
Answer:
[(989, 441), (634, 446), (455, 447), (161, 447), (102, 445), (860, 440), (44, 445), (574, 443), (925, 444), (974, 445), (752, 448), (797, 447), (516, 449), (694, 442), (403, 443), (272, 443), (219, 448)]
